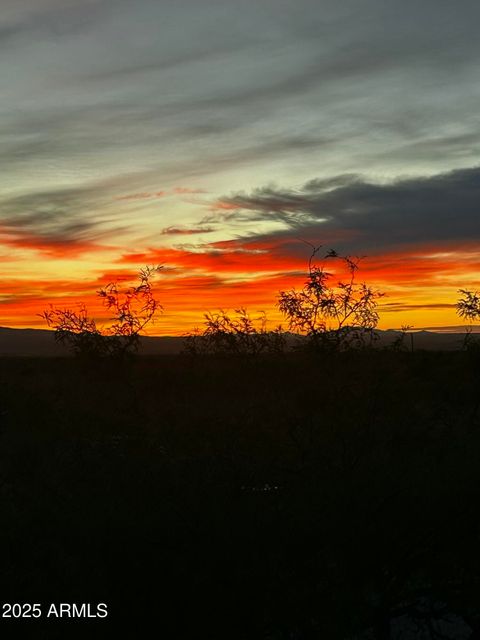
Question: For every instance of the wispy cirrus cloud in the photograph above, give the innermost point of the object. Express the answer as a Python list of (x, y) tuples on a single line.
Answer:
[(164, 193), (185, 231), (212, 88), (77, 219), (47, 19), (142, 196), (59, 221)]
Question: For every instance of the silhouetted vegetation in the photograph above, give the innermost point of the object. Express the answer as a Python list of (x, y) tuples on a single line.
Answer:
[(333, 317), (330, 317), (133, 309), (237, 335), (399, 342), (468, 308), (252, 498)]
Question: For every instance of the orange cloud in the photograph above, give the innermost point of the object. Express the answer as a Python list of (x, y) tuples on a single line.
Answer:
[(148, 195), (186, 190), (142, 196), (50, 247), (421, 283)]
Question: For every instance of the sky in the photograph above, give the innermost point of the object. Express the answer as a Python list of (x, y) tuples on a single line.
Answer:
[(217, 138)]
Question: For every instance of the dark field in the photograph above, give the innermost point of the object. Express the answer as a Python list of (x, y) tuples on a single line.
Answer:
[(283, 498)]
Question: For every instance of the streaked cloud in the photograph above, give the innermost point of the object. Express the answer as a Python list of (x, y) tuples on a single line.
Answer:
[(181, 231), (366, 216), (353, 124)]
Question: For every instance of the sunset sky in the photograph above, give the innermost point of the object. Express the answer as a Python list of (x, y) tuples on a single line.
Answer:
[(213, 137)]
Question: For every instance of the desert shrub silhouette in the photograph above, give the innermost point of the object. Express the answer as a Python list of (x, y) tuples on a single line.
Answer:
[(468, 308), (399, 343), (133, 309), (240, 335), (332, 317)]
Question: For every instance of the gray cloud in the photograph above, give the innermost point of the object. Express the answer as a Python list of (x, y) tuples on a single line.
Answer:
[(178, 74), (366, 216), (52, 20), (68, 216), (156, 91)]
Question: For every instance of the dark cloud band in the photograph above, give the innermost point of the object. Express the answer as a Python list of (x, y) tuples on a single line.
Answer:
[(369, 216)]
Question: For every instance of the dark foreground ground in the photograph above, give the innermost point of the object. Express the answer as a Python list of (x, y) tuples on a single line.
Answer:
[(284, 498)]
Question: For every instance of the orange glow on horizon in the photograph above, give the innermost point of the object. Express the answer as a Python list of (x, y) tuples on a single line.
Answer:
[(421, 284)]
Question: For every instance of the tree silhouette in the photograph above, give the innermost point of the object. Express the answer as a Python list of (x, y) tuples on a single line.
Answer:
[(133, 309), (332, 316)]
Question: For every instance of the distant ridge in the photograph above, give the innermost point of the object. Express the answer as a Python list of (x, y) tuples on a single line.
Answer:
[(29, 342), (459, 328), (41, 342)]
